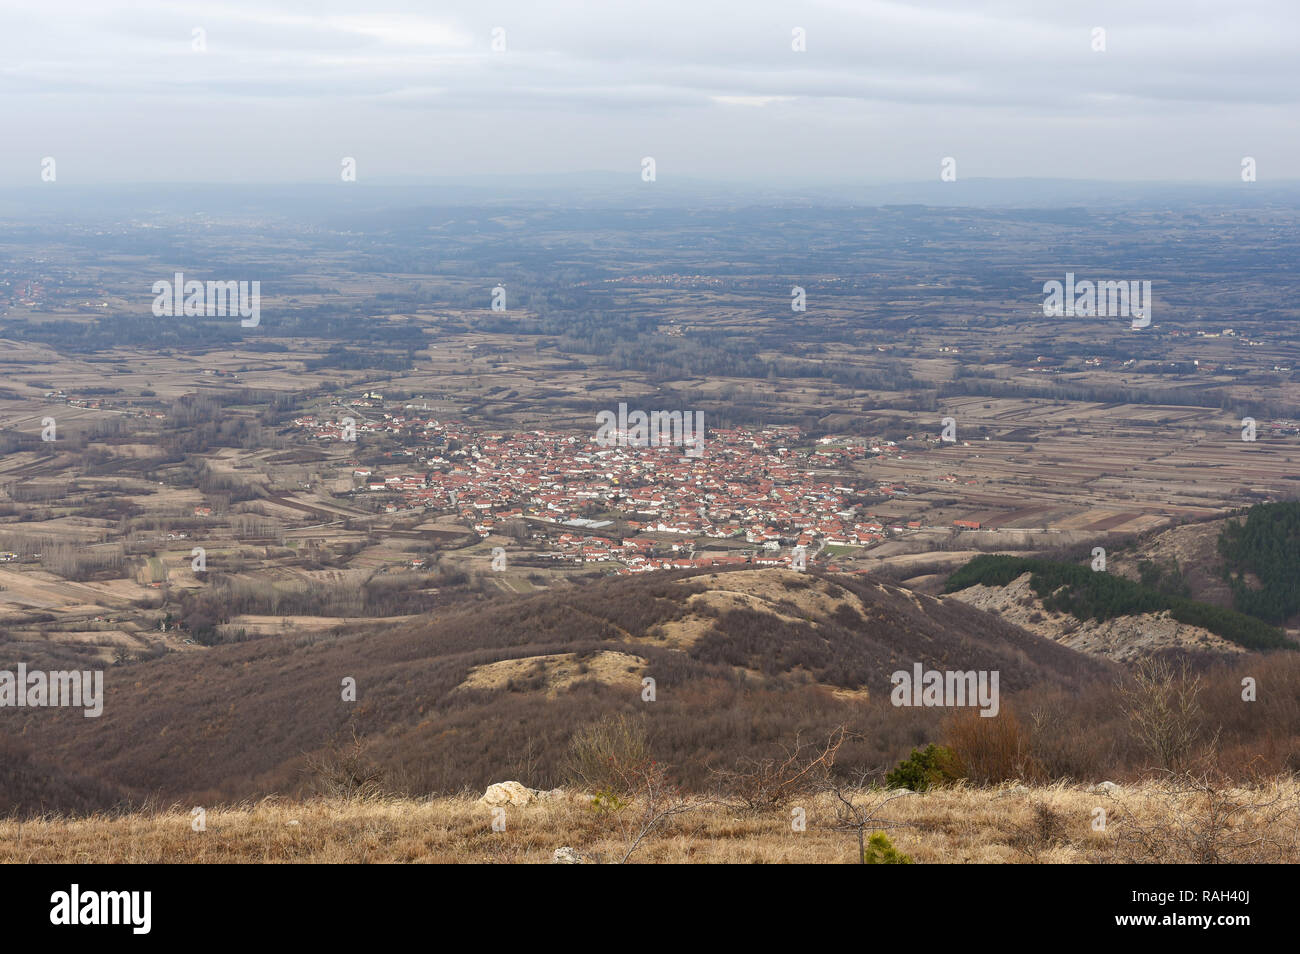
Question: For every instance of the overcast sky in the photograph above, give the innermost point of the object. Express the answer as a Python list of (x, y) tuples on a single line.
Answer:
[(116, 92)]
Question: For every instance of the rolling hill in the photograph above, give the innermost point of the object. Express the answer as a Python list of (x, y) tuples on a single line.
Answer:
[(740, 661)]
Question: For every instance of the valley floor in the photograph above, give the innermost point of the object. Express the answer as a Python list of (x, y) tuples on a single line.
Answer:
[(1154, 822)]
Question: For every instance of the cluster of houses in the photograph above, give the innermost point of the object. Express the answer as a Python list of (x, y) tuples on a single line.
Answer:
[(767, 486)]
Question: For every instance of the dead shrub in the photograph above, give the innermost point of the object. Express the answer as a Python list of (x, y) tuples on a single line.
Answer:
[(989, 749), (1045, 830), (343, 771), (763, 784), (1207, 820), (606, 756)]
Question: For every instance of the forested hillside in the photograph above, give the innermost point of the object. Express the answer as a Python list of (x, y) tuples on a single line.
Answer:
[(1086, 594), (1261, 557)]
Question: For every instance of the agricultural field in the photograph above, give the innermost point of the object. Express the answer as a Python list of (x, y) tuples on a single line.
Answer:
[(177, 435)]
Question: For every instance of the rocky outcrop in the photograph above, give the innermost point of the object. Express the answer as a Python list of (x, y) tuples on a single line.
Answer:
[(514, 794), (517, 795), (1123, 639)]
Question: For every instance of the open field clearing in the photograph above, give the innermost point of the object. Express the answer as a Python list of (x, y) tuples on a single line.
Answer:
[(47, 590), (269, 625), (1152, 822)]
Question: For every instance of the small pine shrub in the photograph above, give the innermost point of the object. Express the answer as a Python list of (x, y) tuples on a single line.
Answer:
[(606, 801), (881, 851), (924, 769)]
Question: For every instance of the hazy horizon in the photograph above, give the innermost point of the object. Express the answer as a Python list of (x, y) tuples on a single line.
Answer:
[(878, 92)]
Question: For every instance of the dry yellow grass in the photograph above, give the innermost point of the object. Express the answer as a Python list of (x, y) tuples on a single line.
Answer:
[(560, 671), (1150, 822)]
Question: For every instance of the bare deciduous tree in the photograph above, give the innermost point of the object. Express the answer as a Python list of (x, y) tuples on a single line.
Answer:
[(654, 800), (857, 809), (1161, 704), (769, 783)]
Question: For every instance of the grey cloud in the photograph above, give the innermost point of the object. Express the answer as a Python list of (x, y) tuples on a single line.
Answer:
[(687, 75)]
